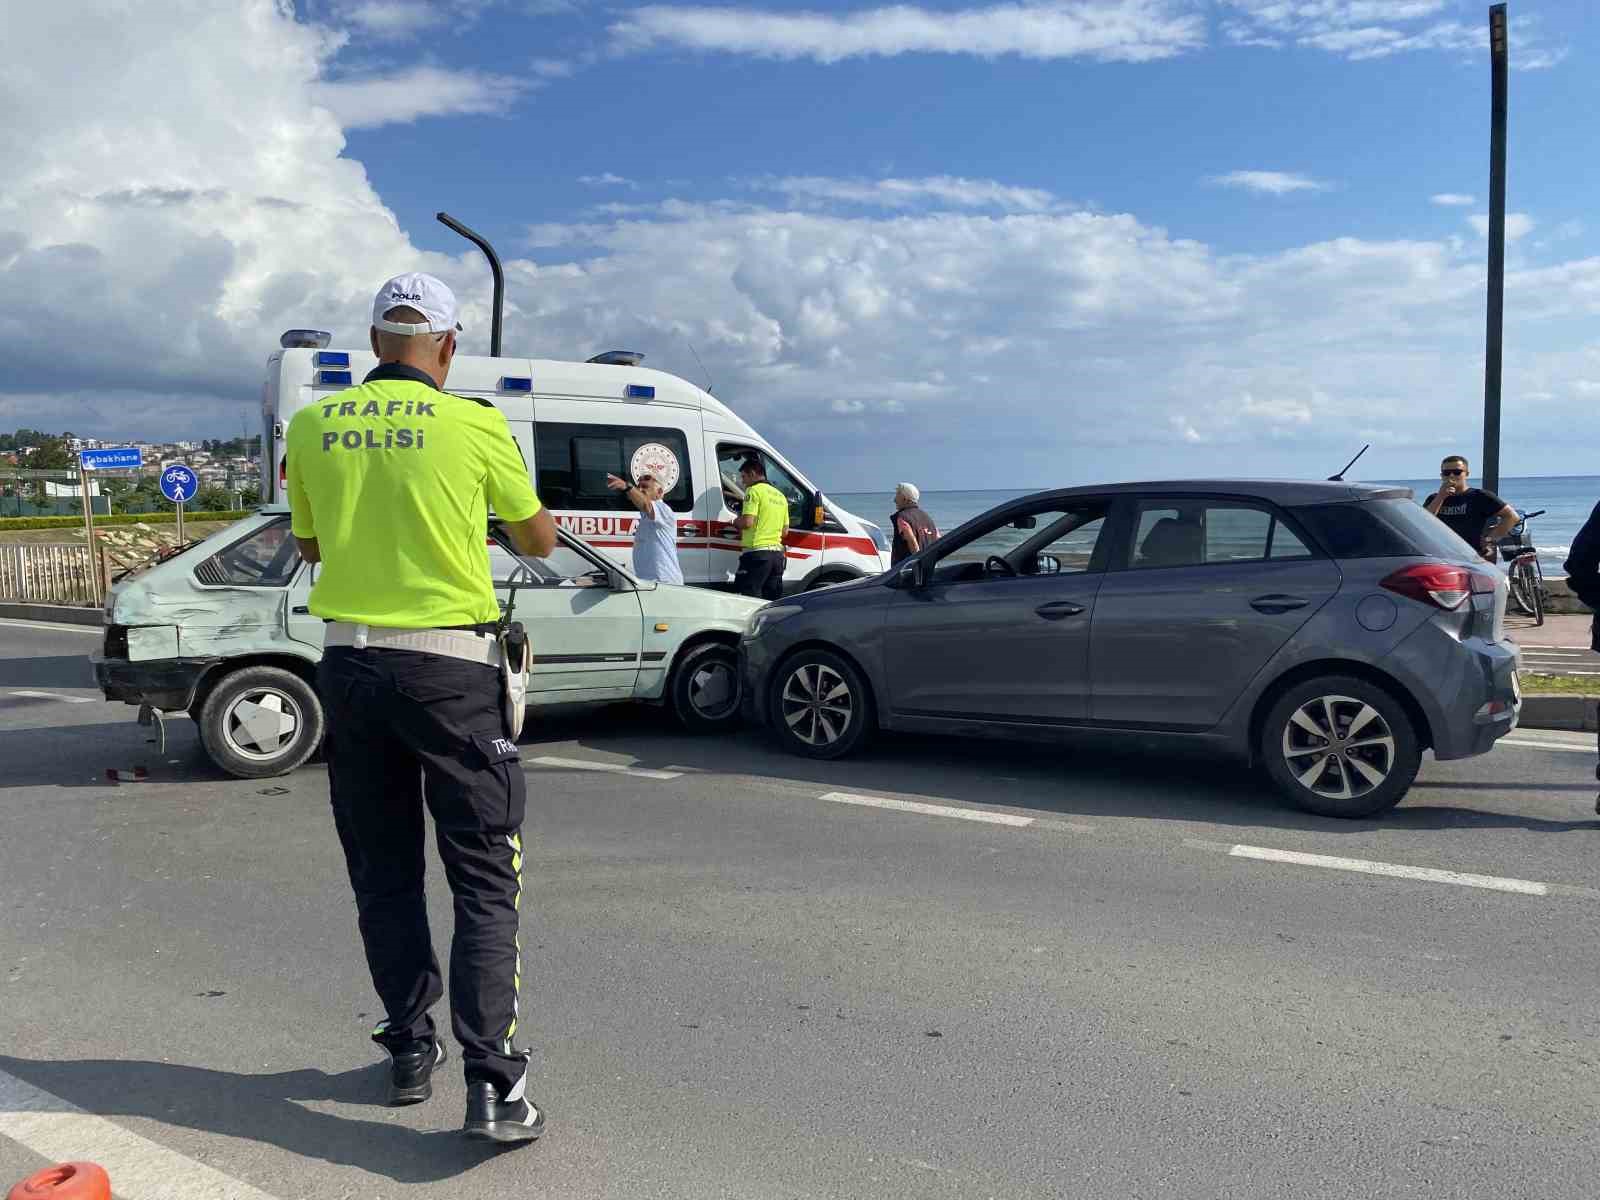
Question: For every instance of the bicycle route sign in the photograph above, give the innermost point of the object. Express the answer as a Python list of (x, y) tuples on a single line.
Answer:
[(179, 483)]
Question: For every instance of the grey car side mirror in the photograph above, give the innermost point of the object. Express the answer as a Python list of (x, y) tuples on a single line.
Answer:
[(1049, 564), (906, 577)]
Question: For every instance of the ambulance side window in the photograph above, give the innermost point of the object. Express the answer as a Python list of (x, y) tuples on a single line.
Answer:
[(731, 457), (574, 461)]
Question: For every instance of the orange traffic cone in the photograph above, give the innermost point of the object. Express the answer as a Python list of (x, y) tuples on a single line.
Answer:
[(65, 1181)]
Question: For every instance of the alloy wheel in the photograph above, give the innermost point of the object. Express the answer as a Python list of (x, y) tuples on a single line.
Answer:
[(817, 705), (1338, 747)]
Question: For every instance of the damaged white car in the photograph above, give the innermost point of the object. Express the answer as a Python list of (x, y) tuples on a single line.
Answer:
[(222, 631)]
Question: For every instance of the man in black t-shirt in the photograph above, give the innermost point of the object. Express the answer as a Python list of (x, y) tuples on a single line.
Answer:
[(1469, 510)]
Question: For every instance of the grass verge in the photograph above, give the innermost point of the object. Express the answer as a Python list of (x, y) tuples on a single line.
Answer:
[(1560, 685)]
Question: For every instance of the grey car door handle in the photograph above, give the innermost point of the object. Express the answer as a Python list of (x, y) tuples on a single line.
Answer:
[(300, 610), (1277, 604), (1057, 609)]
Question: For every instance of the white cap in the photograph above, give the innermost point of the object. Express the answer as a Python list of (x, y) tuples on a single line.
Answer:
[(429, 296)]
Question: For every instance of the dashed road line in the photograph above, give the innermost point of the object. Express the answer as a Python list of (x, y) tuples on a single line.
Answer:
[(51, 627), (584, 764), (59, 1131), (930, 810), (1493, 883), (57, 696), (1528, 744)]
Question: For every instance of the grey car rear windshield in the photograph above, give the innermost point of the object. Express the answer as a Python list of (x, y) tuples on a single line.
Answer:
[(1382, 529)]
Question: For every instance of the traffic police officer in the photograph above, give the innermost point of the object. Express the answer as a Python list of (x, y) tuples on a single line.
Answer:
[(390, 485)]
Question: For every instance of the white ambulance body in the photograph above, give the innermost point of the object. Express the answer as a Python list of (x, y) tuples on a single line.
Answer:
[(578, 422)]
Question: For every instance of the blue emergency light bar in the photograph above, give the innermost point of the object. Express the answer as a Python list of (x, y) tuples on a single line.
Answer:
[(513, 383), (341, 378), (640, 391), (333, 358)]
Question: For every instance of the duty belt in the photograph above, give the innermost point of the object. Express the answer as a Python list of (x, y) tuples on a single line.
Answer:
[(449, 643)]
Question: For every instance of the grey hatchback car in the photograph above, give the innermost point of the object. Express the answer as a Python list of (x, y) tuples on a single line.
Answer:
[(1326, 632)]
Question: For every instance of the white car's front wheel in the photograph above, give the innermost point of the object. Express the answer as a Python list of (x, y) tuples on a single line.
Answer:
[(260, 721), (704, 689)]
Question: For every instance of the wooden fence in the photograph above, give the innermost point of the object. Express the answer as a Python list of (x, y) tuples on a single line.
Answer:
[(49, 574)]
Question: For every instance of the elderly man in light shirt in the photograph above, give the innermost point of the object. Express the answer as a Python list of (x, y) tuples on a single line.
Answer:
[(655, 538)]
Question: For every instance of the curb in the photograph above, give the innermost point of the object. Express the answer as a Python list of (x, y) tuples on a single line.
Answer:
[(60, 614), (1576, 713)]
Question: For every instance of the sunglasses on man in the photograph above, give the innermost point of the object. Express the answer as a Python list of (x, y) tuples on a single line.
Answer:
[(1449, 471)]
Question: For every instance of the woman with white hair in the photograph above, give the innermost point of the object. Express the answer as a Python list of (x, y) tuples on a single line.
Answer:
[(913, 528)]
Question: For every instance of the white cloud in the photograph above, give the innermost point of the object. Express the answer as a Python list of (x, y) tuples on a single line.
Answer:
[(400, 97), (1518, 225), (1272, 183), (938, 191), (1369, 29), (164, 245), (606, 179), (391, 19), (1106, 30), (1451, 199), (403, 20)]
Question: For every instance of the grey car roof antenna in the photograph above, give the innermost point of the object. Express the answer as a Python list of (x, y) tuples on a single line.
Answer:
[(1339, 478)]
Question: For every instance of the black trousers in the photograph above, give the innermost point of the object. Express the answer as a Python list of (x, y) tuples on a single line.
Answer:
[(407, 729), (760, 574)]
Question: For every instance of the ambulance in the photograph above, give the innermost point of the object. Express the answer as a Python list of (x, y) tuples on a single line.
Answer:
[(576, 423)]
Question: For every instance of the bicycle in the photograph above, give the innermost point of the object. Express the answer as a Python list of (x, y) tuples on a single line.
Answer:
[(1522, 566)]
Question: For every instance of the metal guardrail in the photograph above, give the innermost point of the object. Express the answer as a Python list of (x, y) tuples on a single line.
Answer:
[(49, 573)]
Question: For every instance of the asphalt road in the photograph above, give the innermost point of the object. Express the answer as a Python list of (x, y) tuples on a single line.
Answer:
[(1112, 985)]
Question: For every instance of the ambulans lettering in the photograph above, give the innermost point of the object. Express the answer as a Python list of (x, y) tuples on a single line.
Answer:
[(598, 527)]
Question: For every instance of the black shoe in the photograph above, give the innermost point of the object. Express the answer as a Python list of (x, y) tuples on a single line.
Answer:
[(411, 1075), (491, 1119)]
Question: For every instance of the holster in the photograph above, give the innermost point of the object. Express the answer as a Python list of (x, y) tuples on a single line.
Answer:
[(516, 666)]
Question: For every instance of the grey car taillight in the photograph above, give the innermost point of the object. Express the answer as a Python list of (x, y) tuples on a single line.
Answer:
[(1442, 585)]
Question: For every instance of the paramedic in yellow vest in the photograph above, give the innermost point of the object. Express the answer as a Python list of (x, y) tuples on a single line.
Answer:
[(763, 523), (391, 484)]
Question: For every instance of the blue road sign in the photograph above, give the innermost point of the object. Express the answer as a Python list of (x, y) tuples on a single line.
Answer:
[(179, 483), (110, 459)]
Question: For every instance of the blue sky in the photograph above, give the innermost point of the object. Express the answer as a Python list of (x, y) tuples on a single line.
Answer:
[(973, 244)]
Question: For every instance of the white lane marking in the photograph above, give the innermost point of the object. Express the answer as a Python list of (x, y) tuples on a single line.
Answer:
[(931, 810), (57, 696), (1494, 883), (51, 627), (1531, 745), (139, 1168), (583, 764)]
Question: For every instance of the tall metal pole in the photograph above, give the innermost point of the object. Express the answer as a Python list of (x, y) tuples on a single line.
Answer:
[(1498, 56), (482, 243)]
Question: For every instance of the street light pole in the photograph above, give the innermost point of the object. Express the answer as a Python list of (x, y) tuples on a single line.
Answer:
[(1498, 56)]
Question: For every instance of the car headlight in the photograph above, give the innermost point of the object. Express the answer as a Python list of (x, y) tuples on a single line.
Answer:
[(771, 614), (876, 534)]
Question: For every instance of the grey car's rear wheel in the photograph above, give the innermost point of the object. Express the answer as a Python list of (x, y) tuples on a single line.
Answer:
[(818, 705), (260, 721), (705, 689), (1339, 746)]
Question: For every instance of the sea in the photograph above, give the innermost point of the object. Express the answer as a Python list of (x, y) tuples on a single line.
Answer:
[(1566, 499)]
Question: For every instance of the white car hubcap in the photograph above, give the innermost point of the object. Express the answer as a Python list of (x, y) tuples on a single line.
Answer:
[(262, 723)]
